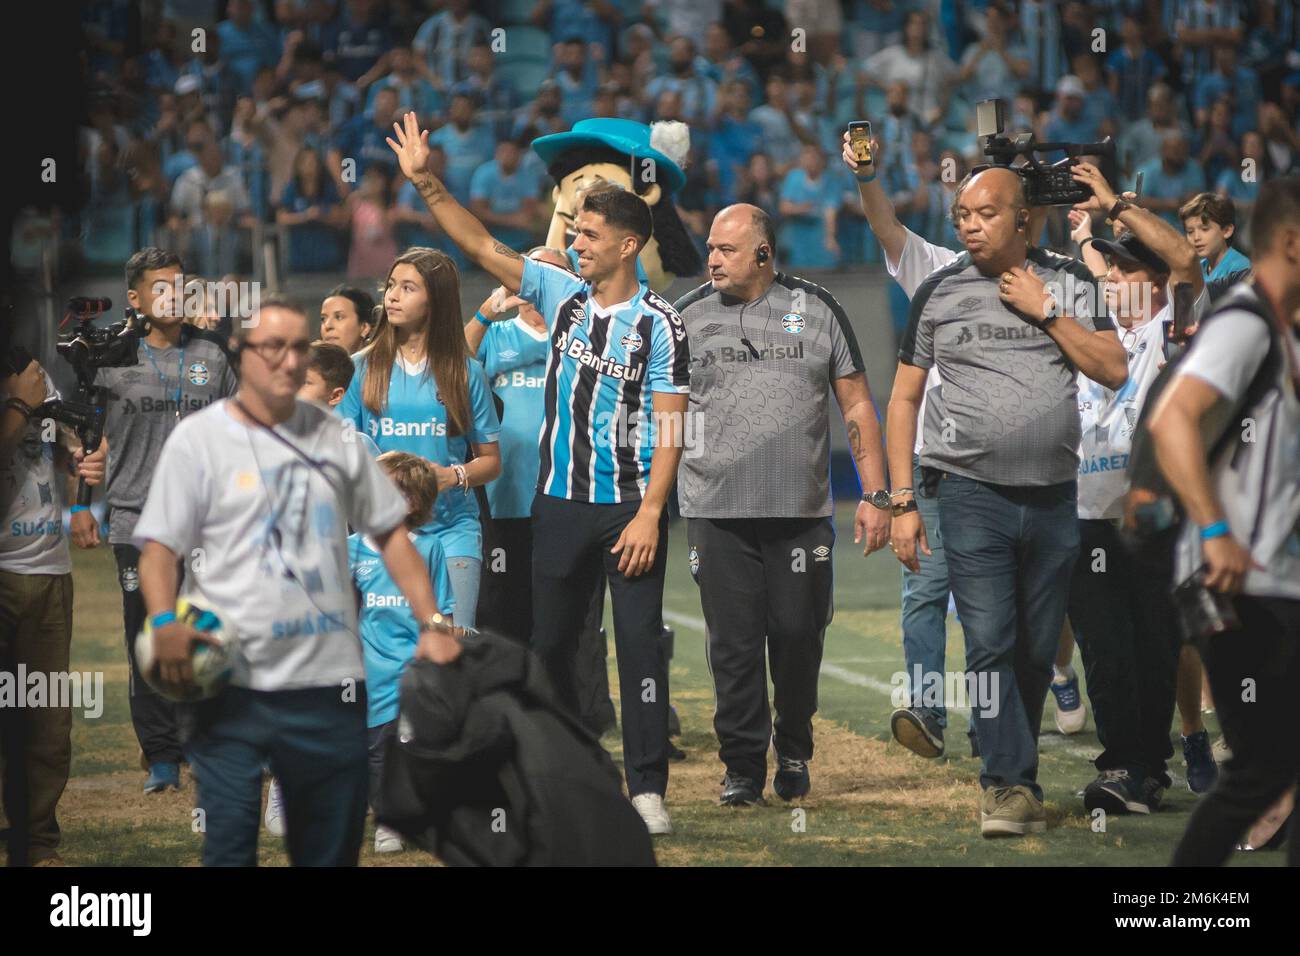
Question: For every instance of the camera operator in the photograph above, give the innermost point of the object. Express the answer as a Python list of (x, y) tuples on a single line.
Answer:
[(1241, 539), (1119, 606), (182, 369), (1002, 437), (35, 607)]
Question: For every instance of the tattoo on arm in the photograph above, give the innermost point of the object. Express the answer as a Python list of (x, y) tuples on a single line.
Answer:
[(429, 188), (502, 249), (855, 440)]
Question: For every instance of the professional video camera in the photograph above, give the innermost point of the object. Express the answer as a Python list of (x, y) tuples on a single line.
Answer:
[(88, 349), (1046, 184)]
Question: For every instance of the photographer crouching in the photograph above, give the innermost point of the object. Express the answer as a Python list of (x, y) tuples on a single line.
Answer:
[(1238, 563), (35, 604), (1009, 327)]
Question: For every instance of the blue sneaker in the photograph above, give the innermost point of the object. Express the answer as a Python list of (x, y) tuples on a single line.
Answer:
[(162, 776), (1202, 771), (1070, 712)]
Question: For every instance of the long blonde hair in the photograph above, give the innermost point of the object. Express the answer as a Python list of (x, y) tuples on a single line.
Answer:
[(445, 349)]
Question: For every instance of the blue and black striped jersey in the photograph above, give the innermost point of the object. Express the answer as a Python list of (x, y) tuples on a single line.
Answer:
[(598, 434)]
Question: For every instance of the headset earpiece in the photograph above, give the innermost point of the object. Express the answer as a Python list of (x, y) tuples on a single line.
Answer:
[(762, 255), (1022, 220)]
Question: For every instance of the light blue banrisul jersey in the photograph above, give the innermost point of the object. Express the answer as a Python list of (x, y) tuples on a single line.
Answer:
[(598, 433), (415, 420), (389, 631), (514, 355)]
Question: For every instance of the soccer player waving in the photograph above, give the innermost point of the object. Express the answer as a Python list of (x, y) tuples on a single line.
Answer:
[(618, 351)]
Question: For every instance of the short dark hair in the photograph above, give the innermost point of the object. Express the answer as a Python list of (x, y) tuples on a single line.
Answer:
[(240, 330), (147, 260), (622, 209), (1211, 206), (332, 363), (1277, 205)]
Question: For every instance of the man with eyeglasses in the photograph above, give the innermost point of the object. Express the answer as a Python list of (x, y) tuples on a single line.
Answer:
[(264, 487), (181, 370)]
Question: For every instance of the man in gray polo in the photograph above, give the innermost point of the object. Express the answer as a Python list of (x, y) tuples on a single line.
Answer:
[(767, 350), (1009, 327)]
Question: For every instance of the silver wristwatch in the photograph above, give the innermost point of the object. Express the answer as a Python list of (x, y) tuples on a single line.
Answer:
[(878, 499)]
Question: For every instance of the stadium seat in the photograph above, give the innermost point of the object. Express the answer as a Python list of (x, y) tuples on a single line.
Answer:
[(525, 76), (516, 11), (527, 43)]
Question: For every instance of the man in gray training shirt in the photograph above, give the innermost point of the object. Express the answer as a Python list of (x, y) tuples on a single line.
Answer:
[(767, 351), (1009, 327), (181, 369)]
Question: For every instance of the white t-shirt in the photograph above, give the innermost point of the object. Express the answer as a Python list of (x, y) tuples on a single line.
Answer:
[(917, 260), (1107, 418), (1226, 353), (32, 541), (272, 532)]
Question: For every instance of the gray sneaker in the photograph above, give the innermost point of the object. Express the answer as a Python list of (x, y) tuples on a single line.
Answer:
[(1011, 811)]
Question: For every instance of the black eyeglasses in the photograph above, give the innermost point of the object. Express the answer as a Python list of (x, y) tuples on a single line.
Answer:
[(273, 351)]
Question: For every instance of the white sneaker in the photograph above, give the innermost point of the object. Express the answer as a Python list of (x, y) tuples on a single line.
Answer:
[(1070, 711), (388, 840), (274, 817), (653, 812)]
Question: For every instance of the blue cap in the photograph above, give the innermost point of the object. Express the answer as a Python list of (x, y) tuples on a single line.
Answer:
[(626, 136)]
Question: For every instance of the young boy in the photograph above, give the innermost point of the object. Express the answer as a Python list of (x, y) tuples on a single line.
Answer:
[(388, 637), (1210, 221), (329, 373)]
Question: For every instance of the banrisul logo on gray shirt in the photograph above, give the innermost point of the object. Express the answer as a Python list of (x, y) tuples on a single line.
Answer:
[(761, 417), (146, 401), (1006, 411)]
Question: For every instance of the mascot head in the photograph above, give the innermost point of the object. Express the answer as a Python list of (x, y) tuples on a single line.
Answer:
[(632, 155)]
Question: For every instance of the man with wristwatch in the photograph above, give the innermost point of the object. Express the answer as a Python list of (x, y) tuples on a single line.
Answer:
[(767, 352), (1009, 326), (263, 487)]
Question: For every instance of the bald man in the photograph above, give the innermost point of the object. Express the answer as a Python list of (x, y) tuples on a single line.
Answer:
[(1008, 326), (767, 351)]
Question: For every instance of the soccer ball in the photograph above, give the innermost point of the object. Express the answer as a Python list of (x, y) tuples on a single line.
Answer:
[(211, 663)]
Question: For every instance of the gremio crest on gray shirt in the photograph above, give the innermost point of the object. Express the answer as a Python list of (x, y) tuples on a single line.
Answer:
[(146, 401), (1006, 410), (759, 435)]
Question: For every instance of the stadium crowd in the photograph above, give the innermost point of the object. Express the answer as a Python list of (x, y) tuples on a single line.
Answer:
[(394, 142)]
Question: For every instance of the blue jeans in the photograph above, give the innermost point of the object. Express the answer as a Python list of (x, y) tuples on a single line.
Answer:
[(1011, 552), (464, 574), (925, 603), (313, 740)]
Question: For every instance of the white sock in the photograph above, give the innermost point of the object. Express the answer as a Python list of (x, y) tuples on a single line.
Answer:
[(1061, 675)]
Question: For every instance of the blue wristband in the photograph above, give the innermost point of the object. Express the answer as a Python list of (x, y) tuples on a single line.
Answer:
[(482, 318), (162, 620), (1217, 530), (869, 179), (77, 508)]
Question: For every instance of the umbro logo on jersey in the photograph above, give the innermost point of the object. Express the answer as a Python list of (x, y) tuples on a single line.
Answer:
[(821, 553), (969, 304), (711, 329), (365, 569), (509, 355)]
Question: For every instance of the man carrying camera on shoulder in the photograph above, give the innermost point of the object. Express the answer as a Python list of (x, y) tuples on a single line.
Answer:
[(1238, 562), (35, 604)]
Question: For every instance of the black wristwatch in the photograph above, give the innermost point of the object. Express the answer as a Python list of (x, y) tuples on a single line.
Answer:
[(1117, 210), (878, 499)]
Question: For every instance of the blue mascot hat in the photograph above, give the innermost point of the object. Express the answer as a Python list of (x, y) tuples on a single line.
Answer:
[(626, 136)]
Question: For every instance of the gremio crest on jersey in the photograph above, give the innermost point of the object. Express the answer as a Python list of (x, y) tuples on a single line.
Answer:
[(792, 322)]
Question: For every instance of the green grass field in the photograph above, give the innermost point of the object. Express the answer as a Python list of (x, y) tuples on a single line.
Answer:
[(872, 803)]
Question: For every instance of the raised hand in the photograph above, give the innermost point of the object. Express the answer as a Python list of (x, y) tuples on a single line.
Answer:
[(411, 146)]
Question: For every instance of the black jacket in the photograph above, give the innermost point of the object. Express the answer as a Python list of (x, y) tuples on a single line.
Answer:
[(488, 769)]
